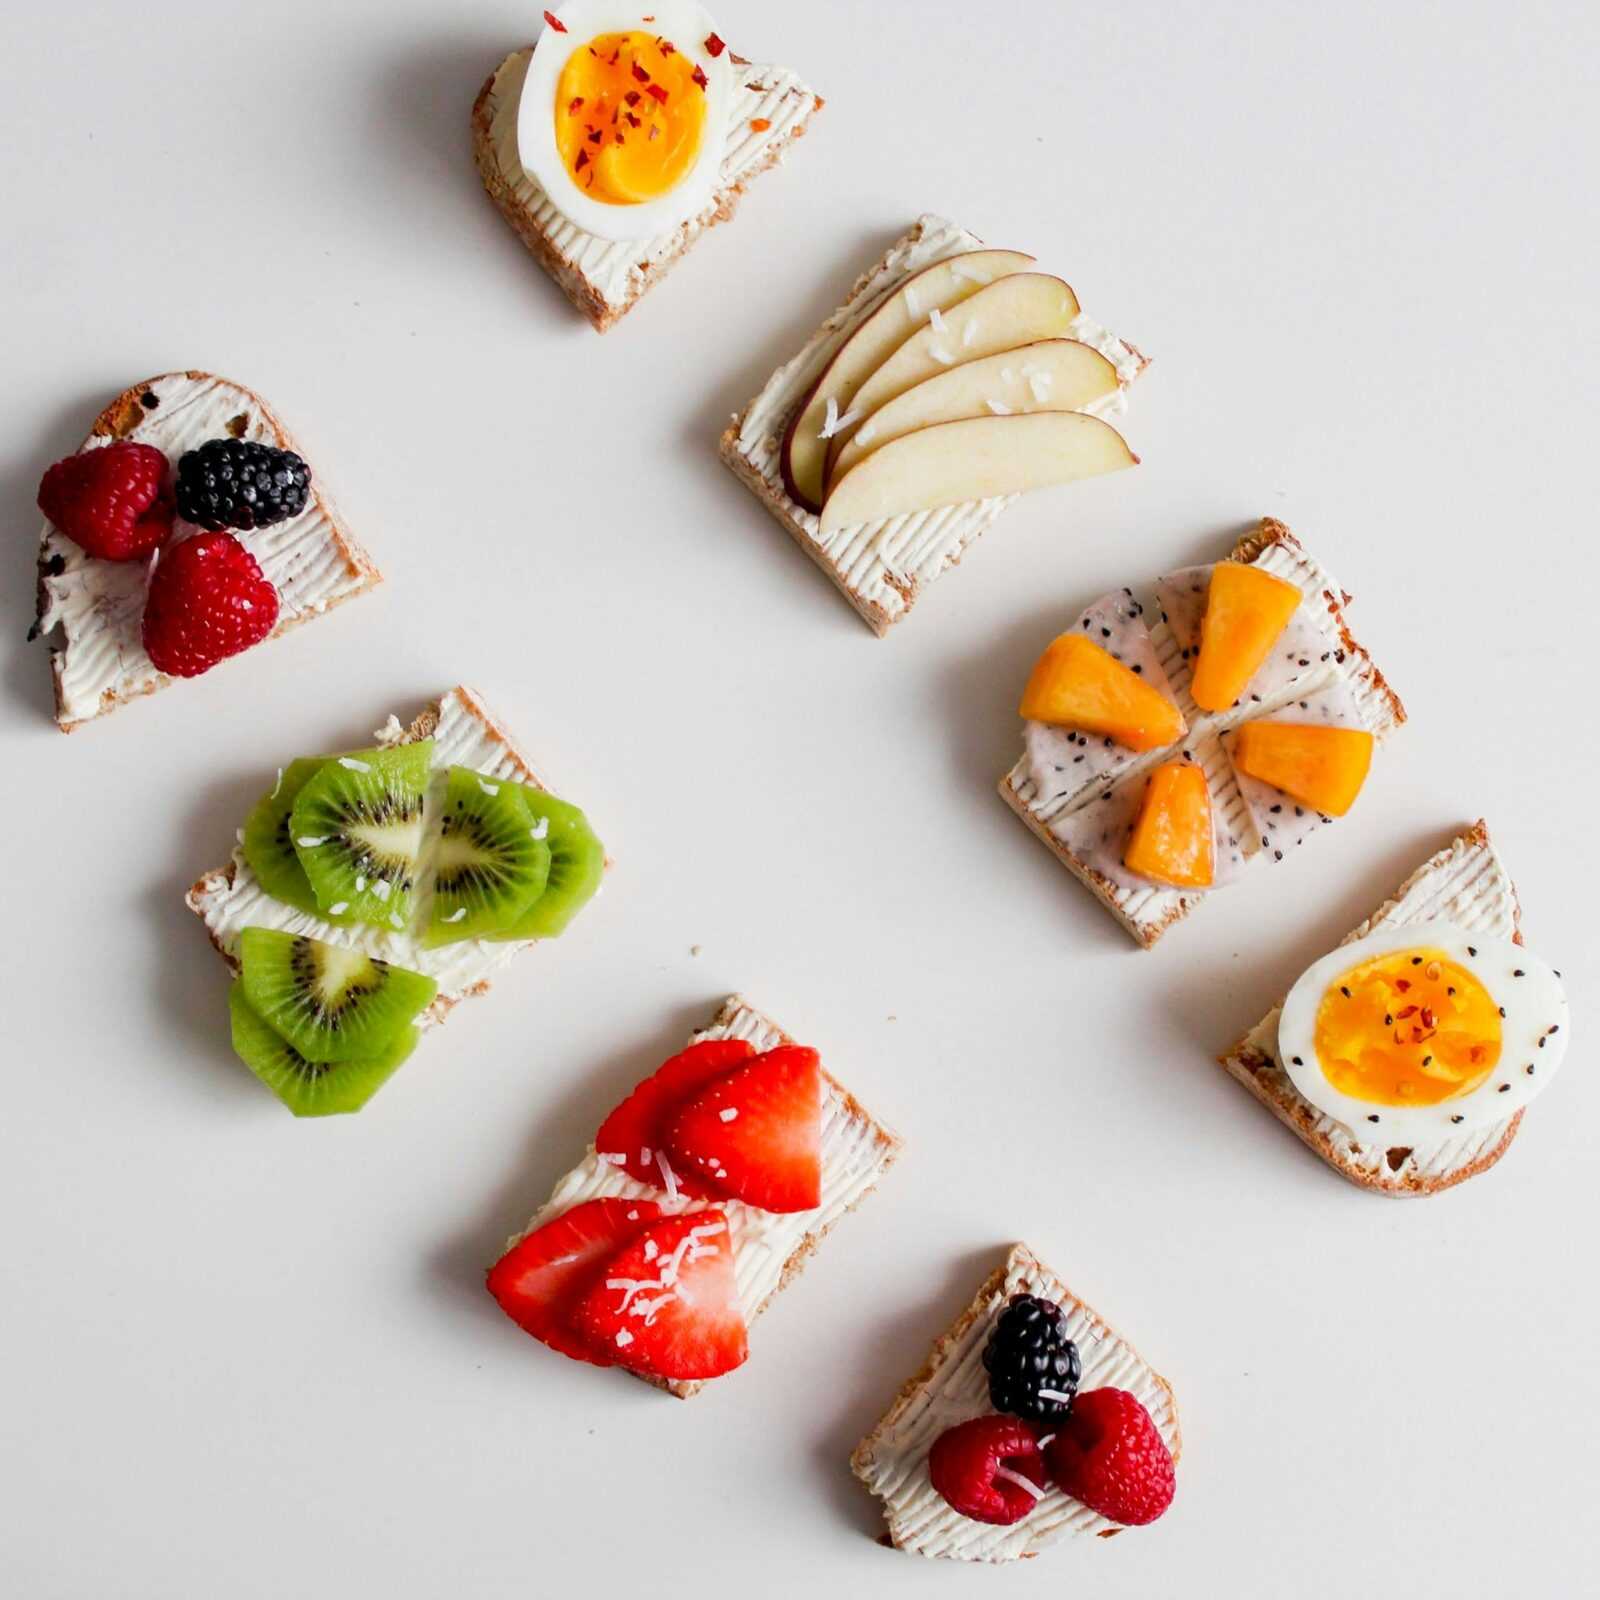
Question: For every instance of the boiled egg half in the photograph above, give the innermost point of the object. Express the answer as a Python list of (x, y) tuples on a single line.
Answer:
[(1416, 1035), (624, 114)]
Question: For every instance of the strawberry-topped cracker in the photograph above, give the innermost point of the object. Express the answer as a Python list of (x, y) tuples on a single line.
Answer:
[(701, 1197)]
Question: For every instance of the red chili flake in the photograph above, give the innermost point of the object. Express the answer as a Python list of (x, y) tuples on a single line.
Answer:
[(616, 55), (620, 139), (640, 75), (699, 75), (1428, 1018), (633, 121), (581, 162), (666, 47), (595, 136), (555, 22), (759, 124), (632, 97), (573, 104), (714, 46), (658, 92), (1410, 1011), (1402, 984)]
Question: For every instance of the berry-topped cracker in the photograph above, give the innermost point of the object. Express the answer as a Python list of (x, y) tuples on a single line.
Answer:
[(1405, 1057), (1031, 1421), (617, 139), (706, 1190), (1207, 726), (373, 889), (132, 592), (952, 378)]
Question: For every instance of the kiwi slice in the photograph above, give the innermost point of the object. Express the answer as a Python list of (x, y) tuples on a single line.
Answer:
[(331, 1002), (269, 848), (357, 829), (311, 1088), (489, 867), (577, 863)]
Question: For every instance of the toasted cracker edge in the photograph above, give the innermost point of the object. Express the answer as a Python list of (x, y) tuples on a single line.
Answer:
[(571, 280), (121, 418), (1243, 1064), (1019, 1256)]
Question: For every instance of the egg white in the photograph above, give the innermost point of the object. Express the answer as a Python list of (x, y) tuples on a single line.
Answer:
[(1533, 1036), (688, 27)]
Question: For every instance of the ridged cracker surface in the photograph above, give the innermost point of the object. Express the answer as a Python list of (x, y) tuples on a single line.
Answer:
[(604, 278), (1339, 664), (230, 899), (880, 567), (311, 560), (953, 1387), (1467, 884), (768, 1250)]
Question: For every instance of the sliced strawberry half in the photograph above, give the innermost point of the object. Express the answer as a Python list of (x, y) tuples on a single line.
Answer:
[(755, 1134), (667, 1304), (634, 1135), (542, 1279)]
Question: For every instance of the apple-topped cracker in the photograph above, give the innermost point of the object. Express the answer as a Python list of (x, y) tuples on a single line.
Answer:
[(1174, 741), (954, 378)]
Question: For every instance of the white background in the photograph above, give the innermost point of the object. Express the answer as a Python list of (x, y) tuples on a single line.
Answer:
[(247, 1356)]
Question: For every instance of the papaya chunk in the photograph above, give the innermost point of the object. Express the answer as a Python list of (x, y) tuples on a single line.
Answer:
[(1246, 610), (1077, 683), (1318, 766), (1172, 841)]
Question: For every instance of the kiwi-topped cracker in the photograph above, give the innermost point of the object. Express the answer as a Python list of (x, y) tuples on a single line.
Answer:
[(331, 1002), (268, 842), (490, 863), (357, 828)]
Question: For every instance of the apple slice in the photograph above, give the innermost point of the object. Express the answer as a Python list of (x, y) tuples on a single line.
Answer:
[(1018, 310), (894, 319), (974, 459), (1052, 375)]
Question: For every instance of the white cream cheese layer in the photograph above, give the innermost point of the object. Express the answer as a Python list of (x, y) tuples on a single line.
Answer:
[(879, 563), (1466, 885), (465, 737), (855, 1154), (616, 268), (99, 605), (1312, 676), (919, 1518)]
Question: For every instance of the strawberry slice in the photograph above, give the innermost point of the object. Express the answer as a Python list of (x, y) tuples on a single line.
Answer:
[(542, 1279), (634, 1135), (667, 1305), (756, 1132)]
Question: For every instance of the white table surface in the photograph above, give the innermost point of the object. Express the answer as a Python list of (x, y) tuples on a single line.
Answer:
[(251, 1357)]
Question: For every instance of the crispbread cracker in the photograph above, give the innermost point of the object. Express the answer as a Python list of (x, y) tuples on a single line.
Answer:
[(1146, 914), (605, 279), (951, 1387), (1465, 883), (111, 624), (857, 1150)]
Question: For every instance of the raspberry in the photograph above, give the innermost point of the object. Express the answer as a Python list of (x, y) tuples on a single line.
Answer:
[(967, 1464), (1109, 1455), (115, 502), (208, 601)]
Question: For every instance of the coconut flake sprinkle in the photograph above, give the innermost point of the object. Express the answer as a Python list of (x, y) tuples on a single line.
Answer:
[(1008, 1476)]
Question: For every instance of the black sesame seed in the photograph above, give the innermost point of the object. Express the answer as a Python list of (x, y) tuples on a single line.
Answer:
[(1456, 1118), (1277, 855), (1298, 1061), (1555, 1027), (1517, 972), (1530, 1069), (149, 401), (1373, 1117), (1416, 961), (1502, 1089), (1344, 991), (1472, 950), (1502, 1011)]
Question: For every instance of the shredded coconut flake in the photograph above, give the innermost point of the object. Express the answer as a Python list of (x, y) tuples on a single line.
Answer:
[(490, 789), (1046, 1440), (669, 1177), (998, 409), (382, 888), (309, 843), (941, 355), (970, 332), (624, 1338), (339, 909), (728, 1113), (911, 300), (541, 828), (353, 765), (1039, 384), (971, 274), (833, 423), (936, 320), (278, 785), (1021, 1482), (1054, 1394), (456, 915)]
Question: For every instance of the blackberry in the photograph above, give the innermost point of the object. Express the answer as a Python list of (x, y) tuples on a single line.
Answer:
[(236, 483), (1031, 1362)]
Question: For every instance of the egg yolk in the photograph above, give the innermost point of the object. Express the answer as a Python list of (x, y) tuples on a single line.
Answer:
[(630, 115), (1408, 1028)]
